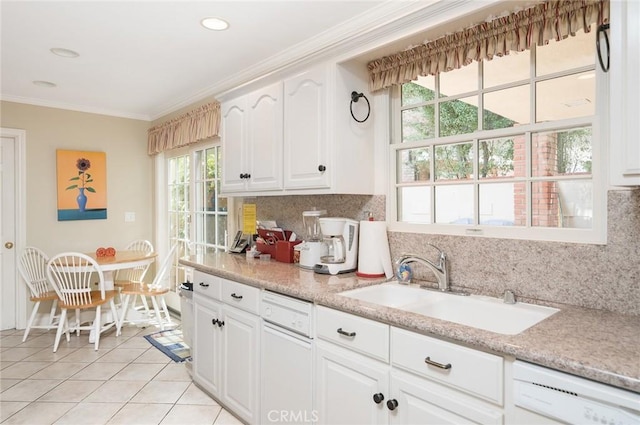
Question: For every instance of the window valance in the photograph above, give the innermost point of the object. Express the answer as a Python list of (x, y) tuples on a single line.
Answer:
[(518, 31), (200, 124)]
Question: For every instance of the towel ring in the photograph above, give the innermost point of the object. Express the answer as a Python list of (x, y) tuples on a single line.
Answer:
[(355, 96), (603, 29)]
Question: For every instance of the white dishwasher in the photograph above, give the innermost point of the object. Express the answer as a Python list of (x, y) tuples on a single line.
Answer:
[(572, 399), (286, 360)]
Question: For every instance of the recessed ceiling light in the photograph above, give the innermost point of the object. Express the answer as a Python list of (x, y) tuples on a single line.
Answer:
[(215, 24), (47, 84), (65, 53)]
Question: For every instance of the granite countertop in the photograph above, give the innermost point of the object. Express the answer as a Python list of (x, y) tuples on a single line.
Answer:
[(595, 344)]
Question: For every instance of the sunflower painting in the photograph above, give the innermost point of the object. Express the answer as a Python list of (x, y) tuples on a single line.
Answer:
[(82, 185)]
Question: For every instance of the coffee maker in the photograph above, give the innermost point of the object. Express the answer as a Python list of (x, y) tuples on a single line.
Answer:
[(341, 240), (312, 248)]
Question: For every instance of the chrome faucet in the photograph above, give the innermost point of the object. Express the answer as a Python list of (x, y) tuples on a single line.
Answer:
[(439, 270)]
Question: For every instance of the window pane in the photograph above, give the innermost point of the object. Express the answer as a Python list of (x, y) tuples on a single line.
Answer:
[(459, 116), (212, 164), (419, 91), (414, 204), (210, 235), (210, 196), (497, 204), (561, 152), (567, 97), (506, 108), (506, 69), (572, 52), (414, 165), (459, 81), (418, 123), (454, 204), (222, 230), (495, 157), (566, 203), (454, 162)]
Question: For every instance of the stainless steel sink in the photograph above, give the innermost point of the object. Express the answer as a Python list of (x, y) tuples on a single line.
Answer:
[(481, 312)]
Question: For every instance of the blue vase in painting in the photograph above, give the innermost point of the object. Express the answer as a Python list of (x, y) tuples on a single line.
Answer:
[(82, 199)]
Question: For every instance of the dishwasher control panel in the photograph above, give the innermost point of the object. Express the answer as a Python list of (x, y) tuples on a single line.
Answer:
[(288, 312), (573, 399)]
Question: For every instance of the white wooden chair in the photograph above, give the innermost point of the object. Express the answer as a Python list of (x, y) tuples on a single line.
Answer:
[(33, 269), (156, 291), (135, 274), (72, 275)]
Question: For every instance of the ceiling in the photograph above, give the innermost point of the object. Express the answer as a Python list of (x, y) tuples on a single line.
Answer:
[(144, 59)]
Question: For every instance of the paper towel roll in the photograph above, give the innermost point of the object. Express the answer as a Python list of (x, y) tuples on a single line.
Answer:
[(374, 258)]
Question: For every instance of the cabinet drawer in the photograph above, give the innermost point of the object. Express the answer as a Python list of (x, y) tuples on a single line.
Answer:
[(244, 297), (473, 371), (206, 284), (356, 333)]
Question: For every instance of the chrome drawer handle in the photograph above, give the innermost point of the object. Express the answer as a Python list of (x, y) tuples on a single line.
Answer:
[(237, 297), (349, 334), (436, 364)]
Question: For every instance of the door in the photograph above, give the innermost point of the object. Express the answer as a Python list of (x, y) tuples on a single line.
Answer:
[(305, 131), (207, 339), (234, 141), (346, 383), (240, 359), (265, 133), (13, 291)]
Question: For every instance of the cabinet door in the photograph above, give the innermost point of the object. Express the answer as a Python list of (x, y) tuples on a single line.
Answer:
[(346, 383), (421, 401), (305, 131), (207, 338), (625, 93), (240, 359), (265, 138), (234, 138)]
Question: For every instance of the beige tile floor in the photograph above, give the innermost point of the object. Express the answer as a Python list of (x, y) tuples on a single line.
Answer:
[(127, 381)]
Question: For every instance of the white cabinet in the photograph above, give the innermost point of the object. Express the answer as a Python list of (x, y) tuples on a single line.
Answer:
[(298, 136), (346, 383), (325, 149), (240, 359), (418, 380), (227, 344), (624, 95), (252, 141), (207, 340), (305, 138)]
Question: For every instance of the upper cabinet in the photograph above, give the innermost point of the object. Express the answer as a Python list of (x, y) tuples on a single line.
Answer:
[(625, 94), (313, 146), (305, 139), (252, 141)]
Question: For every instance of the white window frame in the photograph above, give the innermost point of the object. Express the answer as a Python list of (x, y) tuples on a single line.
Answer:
[(162, 199), (597, 234)]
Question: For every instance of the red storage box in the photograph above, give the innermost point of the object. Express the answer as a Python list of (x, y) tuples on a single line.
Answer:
[(271, 237), (284, 251)]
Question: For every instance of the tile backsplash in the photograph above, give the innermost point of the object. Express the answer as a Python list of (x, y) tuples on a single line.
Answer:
[(604, 277)]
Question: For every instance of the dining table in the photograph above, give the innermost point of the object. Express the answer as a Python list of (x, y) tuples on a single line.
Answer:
[(121, 260)]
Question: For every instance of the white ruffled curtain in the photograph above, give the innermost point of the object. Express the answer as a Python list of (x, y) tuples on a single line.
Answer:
[(551, 20), (194, 126)]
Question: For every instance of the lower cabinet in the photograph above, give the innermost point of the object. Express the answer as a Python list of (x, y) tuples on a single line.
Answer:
[(226, 350), (346, 384), (410, 388)]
